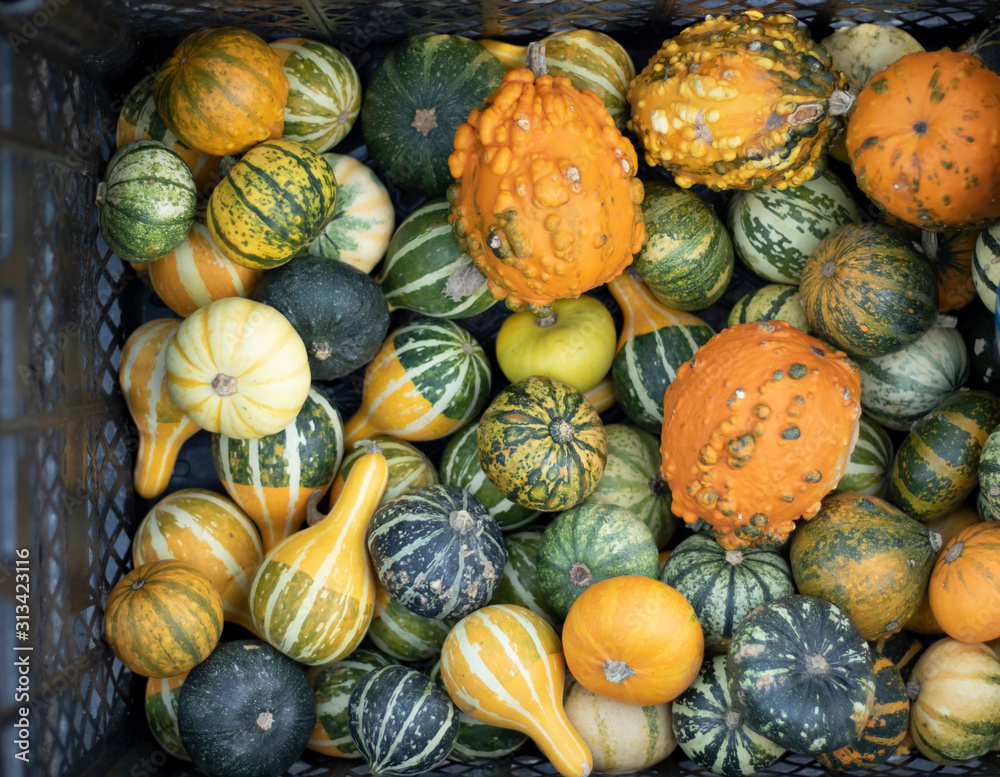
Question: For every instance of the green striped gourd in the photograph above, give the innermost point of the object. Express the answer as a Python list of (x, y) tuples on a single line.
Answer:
[(936, 466), (985, 511), (520, 584), (902, 648), (324, 92), (460, 467), (632, 480), (986, 265), (272, 478), (724, 585), (655, 341), (409, 468), (477, 740), (900, 388), (404, 635), (162, 695), (332, 686), (361, 226), (775, 230), (989, 476), (871, 460), (985, 44), (981, 342), (712, 730), (146, 202), (426, 271), (687, 259), (401, 721), (775, 301)]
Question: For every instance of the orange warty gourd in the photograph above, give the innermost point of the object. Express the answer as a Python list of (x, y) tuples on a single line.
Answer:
[(546, 200), (965, 584), (758, 428), (633, 639), (924, 140)]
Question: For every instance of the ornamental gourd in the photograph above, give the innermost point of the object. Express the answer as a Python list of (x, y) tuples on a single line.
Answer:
[(759, 426), (739, 102), (545, 201), (964, 589)]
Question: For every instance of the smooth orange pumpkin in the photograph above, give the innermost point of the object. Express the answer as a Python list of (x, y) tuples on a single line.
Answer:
[(965, 584)]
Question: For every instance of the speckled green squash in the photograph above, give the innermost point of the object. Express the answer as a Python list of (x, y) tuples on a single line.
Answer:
[(900, 388), (774, 231), (712, 731), (936, 466), (776, 301), (724, 585), (980, 335), (632, 479), (868, 469), (802, 674), (590, 543), (162, 695), (520, 584), (404, 635), (409, 468), (986, 265), (902, 648), (989, 475), (687, 259)]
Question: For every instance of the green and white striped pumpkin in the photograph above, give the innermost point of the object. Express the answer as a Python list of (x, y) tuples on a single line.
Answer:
[(773, 302), (724, 585), (146, 202), (363, 219), (986, 265), (712, 731), (332, 686), (985, 511), (404, 635), (476, 739), (401, 721), (989, 476), (460, 467), (426, 271), (687, 259), (868, 469), (324, 92), (632, 480), (162, 696), (409, 468), (900, 388), (520, 584)]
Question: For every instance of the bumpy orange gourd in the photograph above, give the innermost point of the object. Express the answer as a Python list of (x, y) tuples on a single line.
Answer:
[(758, 428), (546, 201), (739, 102), (924, 140)]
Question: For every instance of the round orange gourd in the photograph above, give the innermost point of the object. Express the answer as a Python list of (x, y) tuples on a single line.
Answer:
[(633, 639), (965, 584), (758, 427), (546, 202), (924, 140)]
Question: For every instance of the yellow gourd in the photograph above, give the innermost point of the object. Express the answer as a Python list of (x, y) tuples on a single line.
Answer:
[(161, 424), (503, 665), (314, 594)]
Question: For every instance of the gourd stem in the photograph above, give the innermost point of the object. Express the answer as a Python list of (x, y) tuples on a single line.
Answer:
[(320, 349), (929, 243), (138, 584), (461, 521), (102, 194), (535, 59), (548, 321), (616, 671), (954, 552), (657, 487), (224, 385), (580, 574), (733, 719), (817, 665), (561, 431), (913, 689), (841, 102), (313, 515), (370, 446), (734, 557), (936, 540), (264, 721), (227, 164)]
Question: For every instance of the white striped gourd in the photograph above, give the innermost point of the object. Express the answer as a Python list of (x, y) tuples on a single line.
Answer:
[(520, 584), (160, 422), (871, 460), (504, 665), (409, 468), (986, 265), (775, 301), (162, 695), (402, 634), (207, 531), (314, 594)]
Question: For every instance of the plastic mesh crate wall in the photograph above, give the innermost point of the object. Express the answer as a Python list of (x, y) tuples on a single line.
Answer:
[(67, 305)]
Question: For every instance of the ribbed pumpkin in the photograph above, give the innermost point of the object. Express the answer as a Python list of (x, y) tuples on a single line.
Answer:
[(273, 477), (438, 551), (504, 665), (722, 585), (401, 634), (211, 534), (409, 468), (238, 368), (160, 422), (865, 290), (542, 444), (868, 470), (520, 583), (162, 696), (986, 265), (964, 589), (911, 134), (739, 102), (870, 559), (222, 91), (537, 169), (429, 379), (756, 404), (654, 342), (773, 302), (163, 618)]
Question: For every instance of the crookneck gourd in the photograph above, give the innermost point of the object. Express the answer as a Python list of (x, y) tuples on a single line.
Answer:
[(758, 427), (546, 201), (739, 102)]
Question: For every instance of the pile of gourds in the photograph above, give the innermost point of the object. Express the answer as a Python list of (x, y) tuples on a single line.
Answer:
[(837, 595)]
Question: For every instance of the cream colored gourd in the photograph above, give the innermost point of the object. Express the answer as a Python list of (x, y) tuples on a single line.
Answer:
[(503, 665), (161, 423), (239, 368), (314, 594)]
